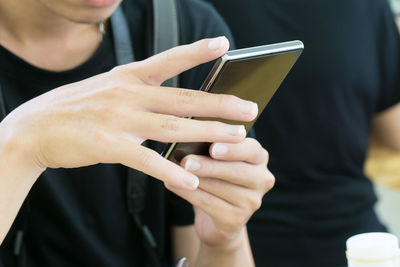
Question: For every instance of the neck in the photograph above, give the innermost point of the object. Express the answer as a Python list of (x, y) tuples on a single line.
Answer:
[(44, 38)]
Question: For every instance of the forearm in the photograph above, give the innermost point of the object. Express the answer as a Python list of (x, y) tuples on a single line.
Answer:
[(236, 254), (386, 127), (17, 175)]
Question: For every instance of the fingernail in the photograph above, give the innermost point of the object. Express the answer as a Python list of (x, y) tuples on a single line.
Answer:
[(219, 150), (192, 165), (248, 108), (237, 130), (191, 181), (217, 43)]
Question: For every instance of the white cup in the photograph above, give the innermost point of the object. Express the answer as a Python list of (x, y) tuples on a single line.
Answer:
[(373, 250)]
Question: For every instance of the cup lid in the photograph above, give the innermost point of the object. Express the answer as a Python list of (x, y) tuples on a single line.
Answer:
[(372, 247)]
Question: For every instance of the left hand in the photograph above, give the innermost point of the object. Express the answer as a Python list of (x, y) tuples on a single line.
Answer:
[(232, 184)]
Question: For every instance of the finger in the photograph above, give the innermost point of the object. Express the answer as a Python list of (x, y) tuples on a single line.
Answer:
[(166, 128), (249, 151), (240, 173), (189, 103), (236, 195), (133, 155), (161, 67), (226, 216)]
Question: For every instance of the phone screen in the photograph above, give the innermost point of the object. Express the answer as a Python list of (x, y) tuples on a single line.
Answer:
[(251, 76)]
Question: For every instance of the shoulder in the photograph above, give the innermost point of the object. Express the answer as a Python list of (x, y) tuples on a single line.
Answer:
[(199, 19)]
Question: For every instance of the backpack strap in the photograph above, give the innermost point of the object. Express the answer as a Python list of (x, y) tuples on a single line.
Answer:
[(122, 39), (166, 30), (166, 33), (136, 181), (3, 111)]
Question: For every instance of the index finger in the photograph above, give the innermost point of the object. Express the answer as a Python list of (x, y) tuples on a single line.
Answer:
[(161, 67), (150, 162)]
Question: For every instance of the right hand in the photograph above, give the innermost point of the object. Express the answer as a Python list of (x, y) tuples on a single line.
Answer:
[(104, 119)]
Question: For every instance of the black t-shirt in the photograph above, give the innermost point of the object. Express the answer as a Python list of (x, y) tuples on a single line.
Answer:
[(317, 125), (79, 217)]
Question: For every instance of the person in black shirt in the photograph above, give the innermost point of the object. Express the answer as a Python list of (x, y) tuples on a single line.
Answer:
[(345, 85), (71, 107)]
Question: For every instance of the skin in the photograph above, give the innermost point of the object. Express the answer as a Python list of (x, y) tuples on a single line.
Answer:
[(386, 127), (386, 124), (398, 21), (74, 125)]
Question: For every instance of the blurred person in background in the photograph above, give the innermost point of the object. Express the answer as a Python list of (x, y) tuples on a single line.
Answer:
[(395, 4), (345, 86)]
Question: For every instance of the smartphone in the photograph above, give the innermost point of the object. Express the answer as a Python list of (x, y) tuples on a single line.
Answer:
[(253, 74)]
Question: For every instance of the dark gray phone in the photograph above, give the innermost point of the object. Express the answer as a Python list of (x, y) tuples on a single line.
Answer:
[(252, 74)]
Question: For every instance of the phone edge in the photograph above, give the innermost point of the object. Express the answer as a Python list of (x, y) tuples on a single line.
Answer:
[(252, 52)]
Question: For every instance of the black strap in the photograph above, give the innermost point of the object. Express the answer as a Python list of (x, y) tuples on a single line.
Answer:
[(3, 111), (122, 39), (166, 30), (165, 36), (136, 181)]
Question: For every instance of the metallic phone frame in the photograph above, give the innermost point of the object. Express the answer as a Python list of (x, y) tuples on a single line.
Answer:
[(240, 54)]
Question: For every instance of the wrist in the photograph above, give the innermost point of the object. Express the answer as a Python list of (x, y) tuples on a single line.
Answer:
[(231, 245), (18, 172), (16, 155), (235, 252)]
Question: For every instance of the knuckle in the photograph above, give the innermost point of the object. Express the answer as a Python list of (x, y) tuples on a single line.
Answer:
[(124, 89), (130, 72), (260, 151), (170, 124), (114, 88), (121, 72), (117, 69), (214, 128), (110, 90), (251, 141), (256, 154), (185, 97), (269, 181), (98, 136), (265, 154), (228, 224), (205, 200), (255, 202), (104, 112), (238, 219), (107, 113), (226, 100), (146, 159)]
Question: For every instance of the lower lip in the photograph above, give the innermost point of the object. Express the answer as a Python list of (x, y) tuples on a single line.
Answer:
[(101, 3)]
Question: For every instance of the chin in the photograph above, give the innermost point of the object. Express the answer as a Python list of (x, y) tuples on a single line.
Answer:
[(83, 11), (92, 16)]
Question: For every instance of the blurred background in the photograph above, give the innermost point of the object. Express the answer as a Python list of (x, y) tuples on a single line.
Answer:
[(383, 166)]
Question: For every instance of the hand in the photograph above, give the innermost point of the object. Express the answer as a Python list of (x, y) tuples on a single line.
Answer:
[(104, 119), (232, 184)]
